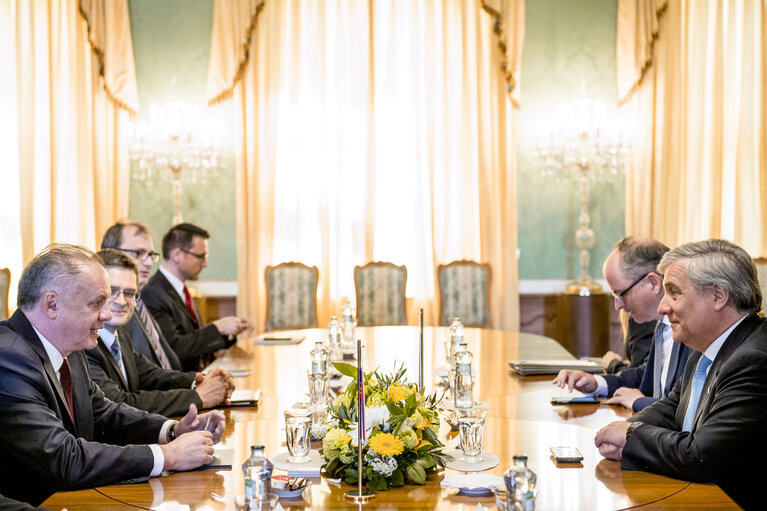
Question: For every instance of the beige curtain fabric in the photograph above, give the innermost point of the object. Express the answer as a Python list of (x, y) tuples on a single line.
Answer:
[(698, 166), (60, 121), (372, 131)]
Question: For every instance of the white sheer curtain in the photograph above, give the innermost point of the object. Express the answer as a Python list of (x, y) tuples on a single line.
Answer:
[(67, 83), (380, 134)]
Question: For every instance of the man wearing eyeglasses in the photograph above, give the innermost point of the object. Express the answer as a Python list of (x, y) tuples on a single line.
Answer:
[(135, 240), (630, 271), (126, 376), (185, 255)]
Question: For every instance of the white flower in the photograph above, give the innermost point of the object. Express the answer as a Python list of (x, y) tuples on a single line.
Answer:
[(374, 416), (384, 466), (320, 429)]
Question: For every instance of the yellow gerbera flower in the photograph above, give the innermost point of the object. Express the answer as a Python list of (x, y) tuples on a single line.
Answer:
[(397, 393), (386, 444)]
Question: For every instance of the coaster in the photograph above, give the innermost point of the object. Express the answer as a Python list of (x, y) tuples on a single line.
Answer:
[(489, 460), (309, 469)]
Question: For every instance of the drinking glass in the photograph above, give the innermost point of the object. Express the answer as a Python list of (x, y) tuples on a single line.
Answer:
[(266, 502), (471, 427), (318, 389), (298, 424)]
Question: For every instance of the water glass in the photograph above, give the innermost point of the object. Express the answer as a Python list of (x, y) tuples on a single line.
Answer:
[(471, 427), (298, 424), (266, 502), (318, 388)]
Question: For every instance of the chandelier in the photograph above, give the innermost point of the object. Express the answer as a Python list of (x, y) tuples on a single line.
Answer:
[(175, 145), (579, 143)]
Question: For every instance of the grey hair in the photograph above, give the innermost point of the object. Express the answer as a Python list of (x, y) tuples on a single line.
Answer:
[(113, 236), (55, 264), (639, 256), (723, 263)]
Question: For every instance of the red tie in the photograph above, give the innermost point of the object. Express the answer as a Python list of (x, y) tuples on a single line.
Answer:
[(190, 306), (65, 376)]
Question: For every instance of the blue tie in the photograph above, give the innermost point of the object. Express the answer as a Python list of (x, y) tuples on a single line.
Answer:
[(657, 388), (115, 350), (698, 379)]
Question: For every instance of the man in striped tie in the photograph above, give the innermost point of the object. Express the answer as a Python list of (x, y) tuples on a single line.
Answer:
[(637, 288), (135, 239), (711, 427)]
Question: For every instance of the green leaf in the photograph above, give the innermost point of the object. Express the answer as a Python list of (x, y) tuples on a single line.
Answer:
[(429, 436), (394, 410), (416, 473), (410, 404), (397, 478), (426, 462), (346, 369)]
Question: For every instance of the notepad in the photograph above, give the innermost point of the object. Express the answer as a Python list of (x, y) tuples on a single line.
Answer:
[(275, 339), (533, 367), (242, 397)]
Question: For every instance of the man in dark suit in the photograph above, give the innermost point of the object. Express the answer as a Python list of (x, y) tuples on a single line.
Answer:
[(711, 426), (638, 341), (57, 430), (135, 240), (630, 271), (185, 254), (126, 376)]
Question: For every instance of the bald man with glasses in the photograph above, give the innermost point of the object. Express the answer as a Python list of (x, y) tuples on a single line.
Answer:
[(637, 287)]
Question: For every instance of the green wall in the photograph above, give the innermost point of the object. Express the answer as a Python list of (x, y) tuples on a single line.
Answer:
[(569, 49), (171, 43)]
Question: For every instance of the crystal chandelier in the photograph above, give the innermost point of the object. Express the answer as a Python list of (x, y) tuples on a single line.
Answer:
[(175, 144), (581, 142)]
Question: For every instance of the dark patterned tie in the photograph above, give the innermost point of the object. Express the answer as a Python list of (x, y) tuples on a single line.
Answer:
[(154, 335), (115, 350), (657, 388), (65, 377), (190, 306)]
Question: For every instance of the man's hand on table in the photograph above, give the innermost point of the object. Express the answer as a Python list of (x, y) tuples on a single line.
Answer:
[(609, 357), (577, 380), (625, 396), (215, 387), (213, 422), (611, 440), (233, 325)]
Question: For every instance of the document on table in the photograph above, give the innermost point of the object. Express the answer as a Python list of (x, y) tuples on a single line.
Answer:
[(533, 367)]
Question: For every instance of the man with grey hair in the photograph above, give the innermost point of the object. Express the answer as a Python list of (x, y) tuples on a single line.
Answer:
[(57, 430), (711, 426), (630, 271)]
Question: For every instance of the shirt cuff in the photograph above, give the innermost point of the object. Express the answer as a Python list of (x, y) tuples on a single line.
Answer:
[(159, 460), (601, 386)]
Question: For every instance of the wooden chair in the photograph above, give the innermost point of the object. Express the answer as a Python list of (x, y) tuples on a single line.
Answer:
[(291, 296), (380, 290), (5, 287), (464, 292), (761, 271)]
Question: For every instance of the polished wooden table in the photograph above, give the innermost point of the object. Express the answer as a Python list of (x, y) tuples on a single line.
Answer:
[(520, 420)]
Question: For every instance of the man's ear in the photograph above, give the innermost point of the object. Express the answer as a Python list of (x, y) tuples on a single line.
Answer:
[(176, 254), (50, 304), (656, 281), (721, 297)]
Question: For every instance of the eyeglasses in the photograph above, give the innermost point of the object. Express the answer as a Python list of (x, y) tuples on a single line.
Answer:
[(142, 254), (619, 296), (201, 257), (129, 294)]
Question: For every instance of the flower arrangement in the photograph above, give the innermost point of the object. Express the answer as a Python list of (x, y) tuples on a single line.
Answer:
[(401, 426)]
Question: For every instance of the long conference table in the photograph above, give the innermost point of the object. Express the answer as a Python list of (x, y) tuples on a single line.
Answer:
[(520, 420)]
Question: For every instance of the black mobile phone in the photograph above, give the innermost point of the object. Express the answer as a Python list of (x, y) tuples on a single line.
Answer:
[(585, 400), (566, 454)]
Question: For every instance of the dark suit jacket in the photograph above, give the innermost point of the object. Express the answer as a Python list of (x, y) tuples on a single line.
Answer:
[(42, 450), (188, 340), (148, 387), (641, 377), (7, 504), (140, 339), (639, 341), (727, 443)]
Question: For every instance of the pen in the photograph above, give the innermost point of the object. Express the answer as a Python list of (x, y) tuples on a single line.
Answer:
[(207, 423)]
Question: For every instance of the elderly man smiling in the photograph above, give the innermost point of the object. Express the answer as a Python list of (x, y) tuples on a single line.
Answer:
[(711, 426)]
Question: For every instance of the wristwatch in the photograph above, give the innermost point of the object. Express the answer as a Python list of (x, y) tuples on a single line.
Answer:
[(171, 435), (632, 427)]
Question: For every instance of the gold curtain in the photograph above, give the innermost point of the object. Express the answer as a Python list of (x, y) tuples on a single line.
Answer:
[(372, 131), (693, 77), (68, 82)]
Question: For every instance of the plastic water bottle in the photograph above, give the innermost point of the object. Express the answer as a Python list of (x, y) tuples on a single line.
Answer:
[(319, 356), (334, 339), (455, 333), (257, 471), (520, 485), (463, 384), (348, 324)]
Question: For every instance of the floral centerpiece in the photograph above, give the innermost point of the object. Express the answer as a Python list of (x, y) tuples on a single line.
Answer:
[(401, 426)]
